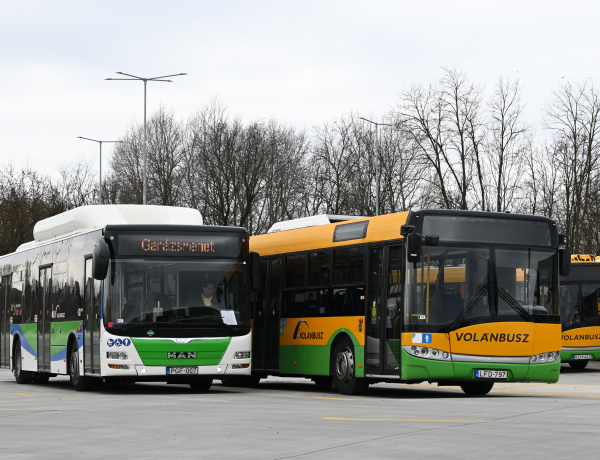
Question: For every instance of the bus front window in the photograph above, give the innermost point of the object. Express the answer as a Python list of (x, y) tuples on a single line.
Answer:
[(524, 278), (452, 287), (448, 284), (207, 293)]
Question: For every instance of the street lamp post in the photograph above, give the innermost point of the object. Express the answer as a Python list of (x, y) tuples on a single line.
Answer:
[(99, 142), (377, 174), (145, 80)]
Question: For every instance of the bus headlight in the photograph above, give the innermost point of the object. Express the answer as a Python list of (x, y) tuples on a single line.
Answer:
[(548, 357), (241, 355), (427, 353)]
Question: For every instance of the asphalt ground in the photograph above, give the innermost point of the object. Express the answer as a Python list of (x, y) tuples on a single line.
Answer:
[(291, 418)]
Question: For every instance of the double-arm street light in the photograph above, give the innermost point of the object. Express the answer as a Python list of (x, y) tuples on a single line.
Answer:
[(145, 80), (377, 174), (99, 142)]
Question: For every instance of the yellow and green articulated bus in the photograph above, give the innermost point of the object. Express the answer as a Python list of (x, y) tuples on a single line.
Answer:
[(454, 297), (580, 311)]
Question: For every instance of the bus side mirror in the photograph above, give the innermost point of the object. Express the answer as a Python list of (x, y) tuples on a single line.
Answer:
[(100, 259), (564, 261), (413, 247), (256, 277)]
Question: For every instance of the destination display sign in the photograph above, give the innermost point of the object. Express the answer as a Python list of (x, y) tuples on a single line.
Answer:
[(172, 244), (488, 230)]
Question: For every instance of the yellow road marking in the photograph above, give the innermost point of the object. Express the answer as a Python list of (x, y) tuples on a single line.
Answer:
[(21, 394), (343, 399), (18, 409), (403, 420)]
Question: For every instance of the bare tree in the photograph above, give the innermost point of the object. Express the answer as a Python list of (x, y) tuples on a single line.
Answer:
[(25, 198), (508, 146), (334, 159), (79, 187), (573, 116), (444, 121)]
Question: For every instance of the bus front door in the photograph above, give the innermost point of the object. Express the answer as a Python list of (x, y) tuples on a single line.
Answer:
[(383, 311), (91, 322), (5, 322), (267, 320), (44, 318)]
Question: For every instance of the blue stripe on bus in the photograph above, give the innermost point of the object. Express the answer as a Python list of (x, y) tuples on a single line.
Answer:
[(14, 328), (60, 356)]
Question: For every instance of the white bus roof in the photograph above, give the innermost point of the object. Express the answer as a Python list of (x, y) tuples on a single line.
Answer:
[(310, 221), (87, 218)]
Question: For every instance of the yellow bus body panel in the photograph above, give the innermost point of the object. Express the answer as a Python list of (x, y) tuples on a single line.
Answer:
[(494, 339), (581, 337), (384, 228), (319, 331)]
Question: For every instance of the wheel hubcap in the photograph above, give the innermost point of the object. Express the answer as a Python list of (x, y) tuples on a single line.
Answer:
[(74, 366), (345, 365)]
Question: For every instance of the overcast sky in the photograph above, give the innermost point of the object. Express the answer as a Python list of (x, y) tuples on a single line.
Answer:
[(299, 62)]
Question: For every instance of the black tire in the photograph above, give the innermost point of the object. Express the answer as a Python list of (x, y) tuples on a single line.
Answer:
[(344, 372), (578, 364), (477, 388), (201, 384), (78, 382), (21, 376)]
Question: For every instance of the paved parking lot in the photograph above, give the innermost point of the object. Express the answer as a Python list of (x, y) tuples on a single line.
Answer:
[(293, 418)]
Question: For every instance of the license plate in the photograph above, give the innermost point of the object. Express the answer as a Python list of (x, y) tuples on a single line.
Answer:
[(488, 374), (574, 357), (182, 370)]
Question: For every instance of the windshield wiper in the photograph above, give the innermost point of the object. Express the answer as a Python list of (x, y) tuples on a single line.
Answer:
[(470, 307), (514, 304)]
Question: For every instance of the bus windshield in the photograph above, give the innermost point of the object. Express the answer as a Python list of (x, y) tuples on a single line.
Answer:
[(452, 287), (580, 304), (195, 294)]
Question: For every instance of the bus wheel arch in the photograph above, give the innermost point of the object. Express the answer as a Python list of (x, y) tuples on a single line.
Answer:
[(78, 381), (21, 376), (343, 367)]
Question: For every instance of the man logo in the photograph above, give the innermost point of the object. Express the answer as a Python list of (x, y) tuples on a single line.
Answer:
[(182, 355)]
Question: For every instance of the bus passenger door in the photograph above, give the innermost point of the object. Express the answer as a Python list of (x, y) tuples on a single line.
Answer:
[(267, 320), (91, 322), (383, 311), (5, 322), (44, 319)]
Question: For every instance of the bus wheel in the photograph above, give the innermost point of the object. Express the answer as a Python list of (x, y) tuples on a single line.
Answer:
[(201, 384), (578, 364), (21, 376), (78, 382), (344, 373), (477, 388)]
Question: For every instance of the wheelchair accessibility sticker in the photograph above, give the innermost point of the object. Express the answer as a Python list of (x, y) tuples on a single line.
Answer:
[(421, 338)]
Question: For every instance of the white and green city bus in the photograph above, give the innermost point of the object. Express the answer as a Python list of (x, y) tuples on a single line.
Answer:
[(110, 292)]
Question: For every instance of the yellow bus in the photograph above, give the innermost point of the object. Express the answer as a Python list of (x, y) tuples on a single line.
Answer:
[(580, 311), (455, 297)]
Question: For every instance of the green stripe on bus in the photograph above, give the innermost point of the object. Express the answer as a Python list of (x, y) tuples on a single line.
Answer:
[(209, 352)]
